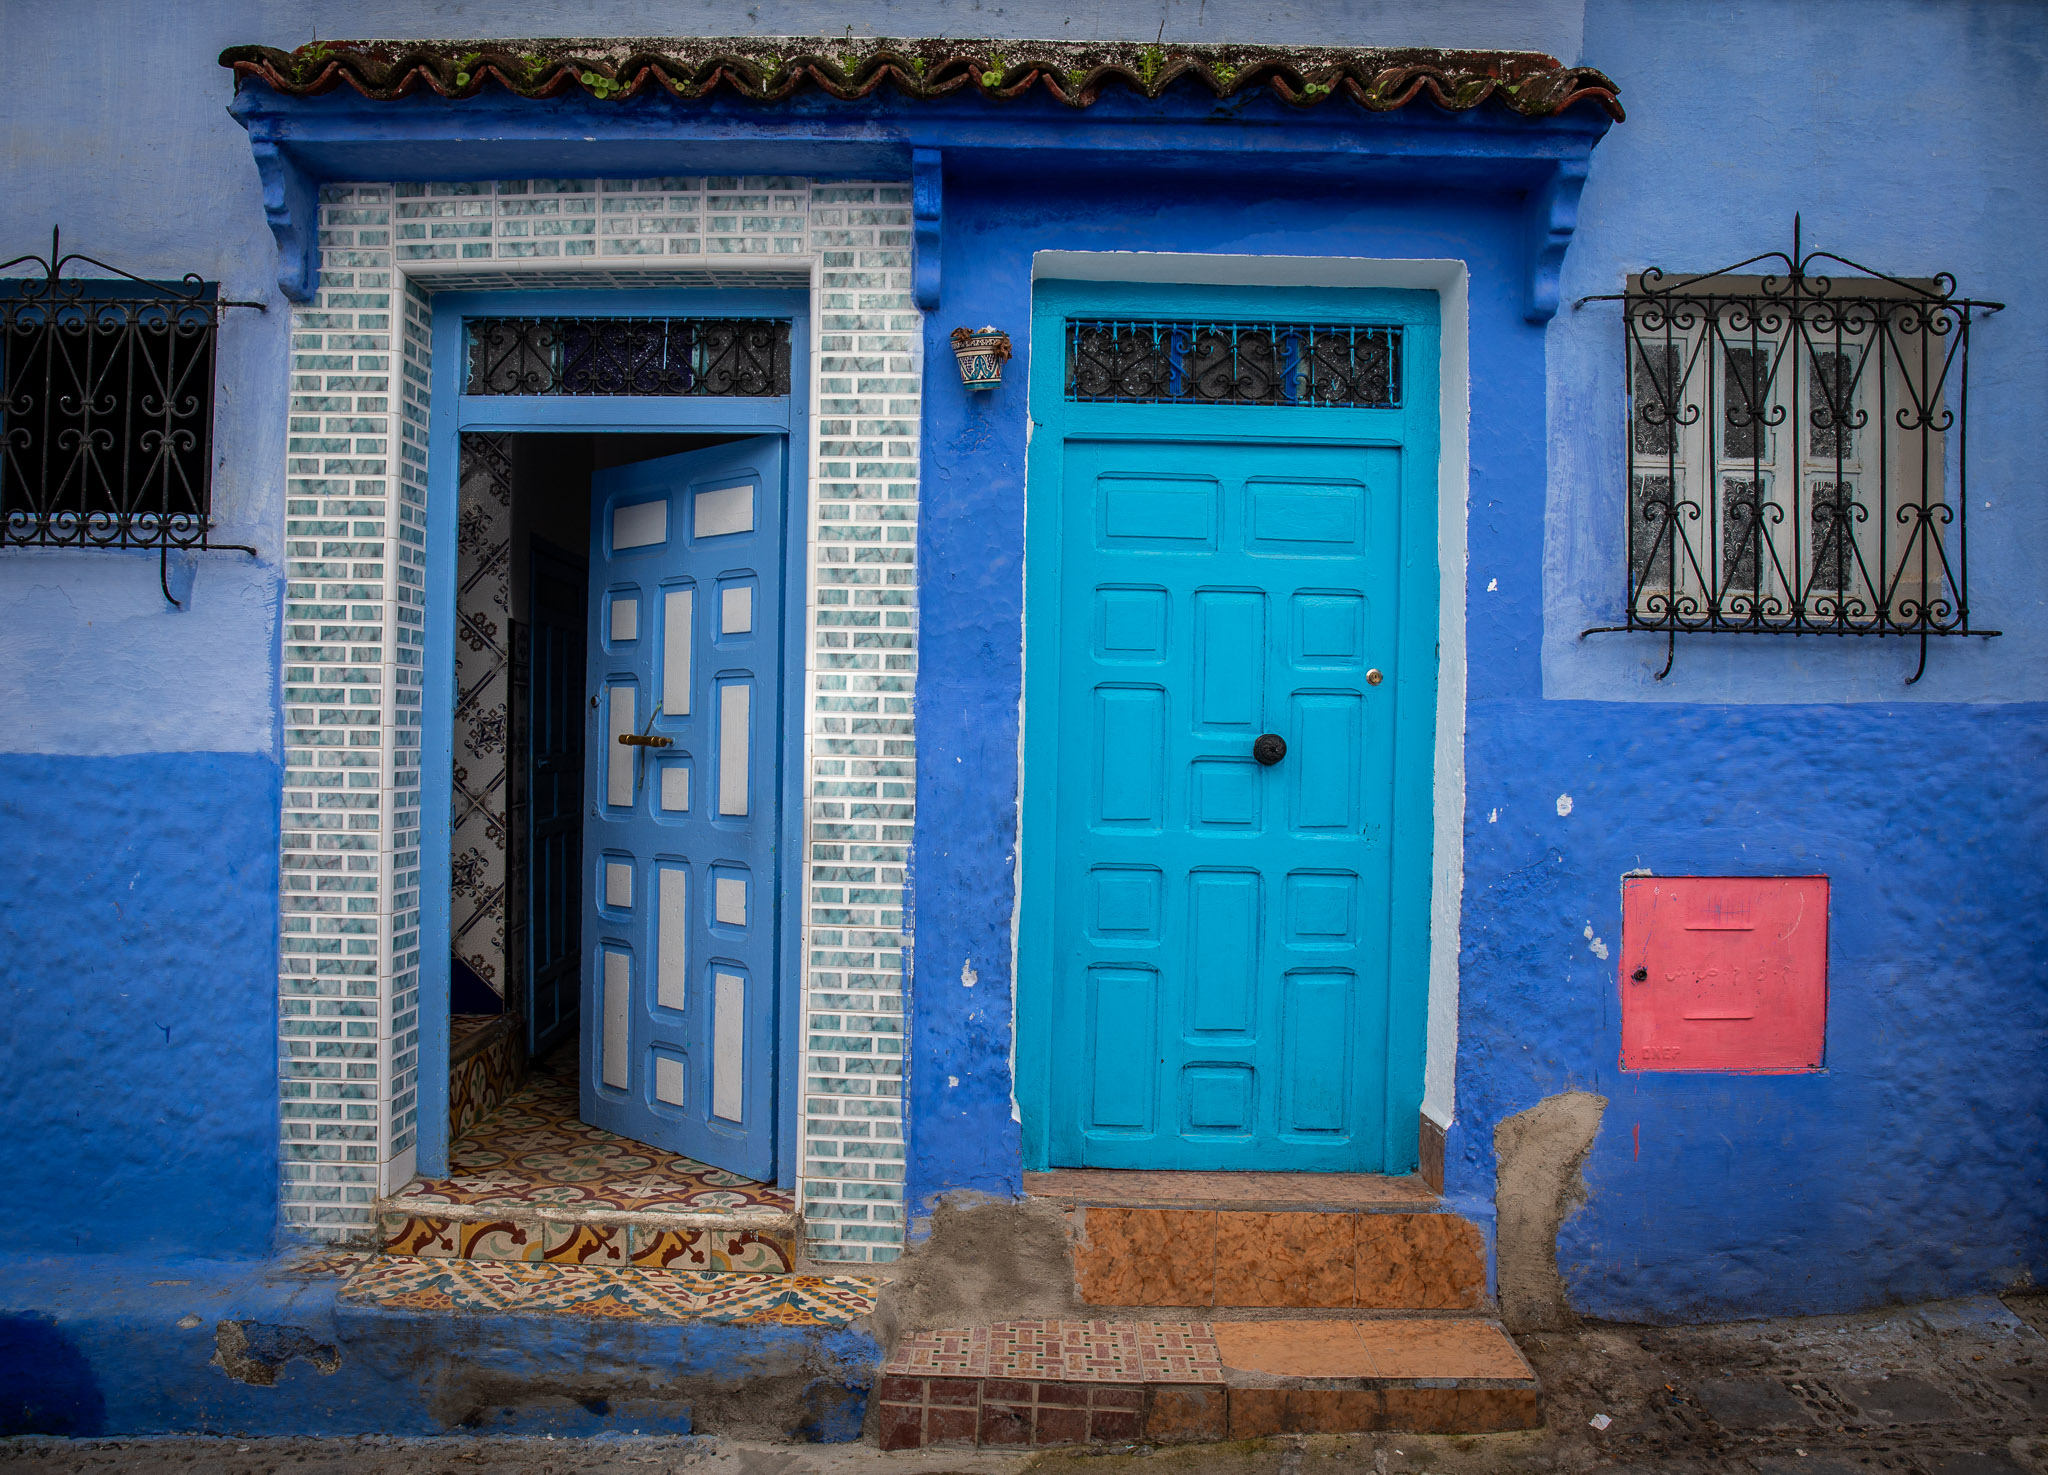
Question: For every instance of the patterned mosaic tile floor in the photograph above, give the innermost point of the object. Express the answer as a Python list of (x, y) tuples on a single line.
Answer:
[(400, 1282), (532, 1151), (531, 1183)]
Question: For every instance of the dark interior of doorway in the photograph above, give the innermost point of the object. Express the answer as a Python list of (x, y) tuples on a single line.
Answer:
[(516, 907)]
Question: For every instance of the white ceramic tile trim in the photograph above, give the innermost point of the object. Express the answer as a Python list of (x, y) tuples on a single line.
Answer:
[(355, 614)]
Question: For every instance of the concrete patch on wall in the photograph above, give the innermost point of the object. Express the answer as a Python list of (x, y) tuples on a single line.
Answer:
[(1540, 1182), (983, 1260)]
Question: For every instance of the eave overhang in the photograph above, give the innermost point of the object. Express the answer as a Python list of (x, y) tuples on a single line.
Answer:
[(1499, 121)]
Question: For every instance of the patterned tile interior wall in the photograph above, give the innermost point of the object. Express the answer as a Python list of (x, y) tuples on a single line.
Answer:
[(479, 846), (354, 638)]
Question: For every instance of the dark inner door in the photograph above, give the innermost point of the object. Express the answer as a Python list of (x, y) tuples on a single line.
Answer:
[(558, 594)]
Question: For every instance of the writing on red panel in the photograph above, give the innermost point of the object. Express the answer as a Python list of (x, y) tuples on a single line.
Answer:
[(1724, 973)]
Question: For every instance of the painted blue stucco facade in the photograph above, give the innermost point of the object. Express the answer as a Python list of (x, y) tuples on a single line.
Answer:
[(140, 745)]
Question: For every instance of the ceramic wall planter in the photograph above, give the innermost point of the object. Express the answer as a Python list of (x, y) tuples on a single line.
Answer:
[(981, 356)]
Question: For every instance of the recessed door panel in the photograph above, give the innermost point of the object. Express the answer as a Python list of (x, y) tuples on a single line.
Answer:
[(1123, 1018), (685, 657), (1230, 658), (1223, 952), (1130, 723), (1316, 1083)]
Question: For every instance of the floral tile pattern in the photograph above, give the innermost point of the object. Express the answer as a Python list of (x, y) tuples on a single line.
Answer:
[(483, 686), (1066, 1351), (532, 1152), (483, 1070), (533, 1185), (417, 1283)]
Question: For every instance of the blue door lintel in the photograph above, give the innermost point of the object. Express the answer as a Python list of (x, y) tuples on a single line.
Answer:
[(301, 143)]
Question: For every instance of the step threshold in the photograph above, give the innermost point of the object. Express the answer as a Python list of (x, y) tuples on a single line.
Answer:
[(1113, 1381), (1153, 1189)]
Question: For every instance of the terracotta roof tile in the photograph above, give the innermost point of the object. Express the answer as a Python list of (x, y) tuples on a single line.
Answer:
[(770, 69)]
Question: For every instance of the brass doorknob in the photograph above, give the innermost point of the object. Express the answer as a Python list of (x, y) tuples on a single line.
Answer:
[(1374, 677)]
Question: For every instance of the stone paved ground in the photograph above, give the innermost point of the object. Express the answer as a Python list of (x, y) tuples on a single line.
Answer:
[(1953, 1388)]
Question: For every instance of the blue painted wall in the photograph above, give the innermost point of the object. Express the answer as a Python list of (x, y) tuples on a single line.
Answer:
[(138, 1001), (1913, 1167), (141, 744), (108, 1345), (136, 158)]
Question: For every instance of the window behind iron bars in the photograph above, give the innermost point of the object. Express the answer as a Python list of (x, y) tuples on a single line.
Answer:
[(1788, 458)]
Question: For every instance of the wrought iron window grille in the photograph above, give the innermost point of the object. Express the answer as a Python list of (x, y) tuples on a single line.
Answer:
[(1326, 365), (106, 408), (736, 357), (1797, 460)]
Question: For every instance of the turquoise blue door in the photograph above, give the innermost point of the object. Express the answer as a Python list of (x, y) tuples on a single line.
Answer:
[(679, 987), (1242, 684)]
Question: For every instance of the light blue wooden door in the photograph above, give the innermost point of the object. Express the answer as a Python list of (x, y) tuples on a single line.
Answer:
[(679, 988), (1221, 924)]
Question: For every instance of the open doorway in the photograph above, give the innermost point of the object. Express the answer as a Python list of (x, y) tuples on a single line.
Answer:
[(563, 884)]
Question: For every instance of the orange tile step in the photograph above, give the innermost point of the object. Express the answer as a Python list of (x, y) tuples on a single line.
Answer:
[(1118, 1381), (1308, 1241)]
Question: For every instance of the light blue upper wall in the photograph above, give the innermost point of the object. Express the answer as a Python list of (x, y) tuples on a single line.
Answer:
[(1907, 135), (135, 157)]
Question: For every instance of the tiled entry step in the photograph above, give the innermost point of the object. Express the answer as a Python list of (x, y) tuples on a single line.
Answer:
[(530, 1182), (425, 1283), (1094, 1382), (1313, 1241)]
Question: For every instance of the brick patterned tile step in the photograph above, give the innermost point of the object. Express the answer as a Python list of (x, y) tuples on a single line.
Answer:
[(1038, 1383)]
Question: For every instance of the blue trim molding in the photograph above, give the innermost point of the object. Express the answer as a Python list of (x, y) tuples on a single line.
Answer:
[(927, 203), (302, 142), (291, 202), (1553, 217)]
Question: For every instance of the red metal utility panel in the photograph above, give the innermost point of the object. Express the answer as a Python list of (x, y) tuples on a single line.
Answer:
[(1724, 972)]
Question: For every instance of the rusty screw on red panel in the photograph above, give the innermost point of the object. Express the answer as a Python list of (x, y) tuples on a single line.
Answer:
[(1640, 974)]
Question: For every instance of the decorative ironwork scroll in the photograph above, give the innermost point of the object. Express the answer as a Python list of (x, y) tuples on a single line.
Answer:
[(1797, 462), (106, 408), (1327, 365), (746, 357)]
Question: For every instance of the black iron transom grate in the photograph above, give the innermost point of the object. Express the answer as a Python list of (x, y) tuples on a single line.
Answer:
[(740, 357), (1328, 365)]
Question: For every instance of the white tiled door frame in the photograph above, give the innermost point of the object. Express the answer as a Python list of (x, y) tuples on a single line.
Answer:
[(355, 625)]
